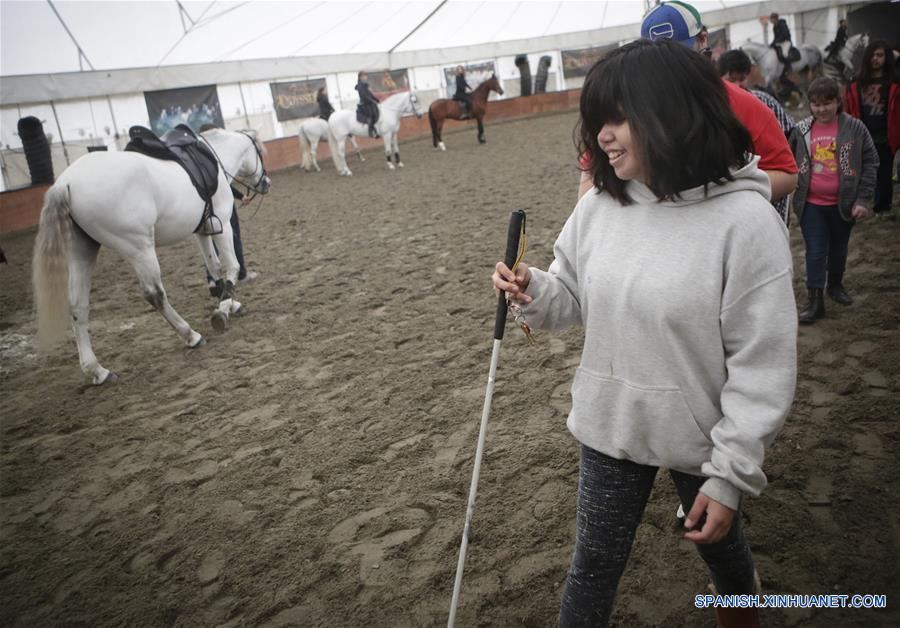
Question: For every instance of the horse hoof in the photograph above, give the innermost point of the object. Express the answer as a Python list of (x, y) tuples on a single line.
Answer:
[(400, 165), (111, 378), (219, 321), (201, 342), (442, 146), (241, 311)]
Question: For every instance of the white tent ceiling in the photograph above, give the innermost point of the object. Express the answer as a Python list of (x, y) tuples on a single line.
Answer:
[(122, 34), (132, 46)]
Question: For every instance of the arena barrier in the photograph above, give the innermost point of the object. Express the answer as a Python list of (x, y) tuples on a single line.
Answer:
[(20, 209)]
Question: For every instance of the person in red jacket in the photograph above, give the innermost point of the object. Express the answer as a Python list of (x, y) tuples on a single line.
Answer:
[(874, 98)]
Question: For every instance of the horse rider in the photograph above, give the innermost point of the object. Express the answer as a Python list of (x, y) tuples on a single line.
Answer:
[(781, 35), (325, 108), (367, 110), (463, 97), (840, 40)]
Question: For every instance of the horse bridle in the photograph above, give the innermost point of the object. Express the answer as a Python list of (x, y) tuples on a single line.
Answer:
[(263, 175), (255, 187)]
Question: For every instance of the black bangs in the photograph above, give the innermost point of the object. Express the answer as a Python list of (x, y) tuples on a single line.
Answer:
[(678, 113)]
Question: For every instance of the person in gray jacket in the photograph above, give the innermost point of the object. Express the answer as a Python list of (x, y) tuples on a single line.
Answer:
[(838, 165), (681, 275)]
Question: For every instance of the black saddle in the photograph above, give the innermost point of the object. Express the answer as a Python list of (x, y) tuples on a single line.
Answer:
[(367, 113), (182, 146)]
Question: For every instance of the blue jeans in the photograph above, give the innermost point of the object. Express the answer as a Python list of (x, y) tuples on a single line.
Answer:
[(238, 247), (612, 495), (827, 237)]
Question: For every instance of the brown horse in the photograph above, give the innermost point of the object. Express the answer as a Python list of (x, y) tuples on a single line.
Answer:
[(444, 108)]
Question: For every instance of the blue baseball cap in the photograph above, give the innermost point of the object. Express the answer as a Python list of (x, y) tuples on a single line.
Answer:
[(673, 20)]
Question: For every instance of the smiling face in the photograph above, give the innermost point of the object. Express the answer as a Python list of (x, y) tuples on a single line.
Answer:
[(824, 110), (621, 148)]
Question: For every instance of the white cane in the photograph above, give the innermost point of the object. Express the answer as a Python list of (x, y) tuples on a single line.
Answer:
[(516, 228)]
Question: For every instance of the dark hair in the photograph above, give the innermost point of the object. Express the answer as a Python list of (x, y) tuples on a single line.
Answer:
[(824, 88), (320, 92), (887, 70), (209, 126), (678, 112), (735, 61)]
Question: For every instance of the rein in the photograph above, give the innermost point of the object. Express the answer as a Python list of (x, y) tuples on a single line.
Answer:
[(255, 187)]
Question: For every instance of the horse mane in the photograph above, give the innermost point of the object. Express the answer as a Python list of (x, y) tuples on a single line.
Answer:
[(484, 84)]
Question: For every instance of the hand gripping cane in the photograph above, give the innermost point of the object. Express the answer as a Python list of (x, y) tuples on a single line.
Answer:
[(516, 228)]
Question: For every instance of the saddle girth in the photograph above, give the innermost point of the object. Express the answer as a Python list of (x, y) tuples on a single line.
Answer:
[(182, 146)]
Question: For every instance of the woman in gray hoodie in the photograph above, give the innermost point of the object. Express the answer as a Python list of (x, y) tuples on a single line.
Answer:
[(680, 272)]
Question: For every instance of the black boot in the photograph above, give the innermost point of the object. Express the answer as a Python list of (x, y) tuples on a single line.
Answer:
[(815, 309), (836, 290)]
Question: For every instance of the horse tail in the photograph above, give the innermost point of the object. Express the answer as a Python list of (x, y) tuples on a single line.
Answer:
[(305, 150), (433, 122), (50, 267)]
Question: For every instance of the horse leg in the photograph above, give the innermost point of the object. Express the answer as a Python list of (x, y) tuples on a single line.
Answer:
[(481, 139), (213, 265), (81, 267), (341, 150), (387, 137), (396, 144), (146, 266), (313, 149), (227, 303), (440, 141), (356, 148)]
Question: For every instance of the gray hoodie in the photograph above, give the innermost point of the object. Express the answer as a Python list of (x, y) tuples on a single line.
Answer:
[(689, 358)]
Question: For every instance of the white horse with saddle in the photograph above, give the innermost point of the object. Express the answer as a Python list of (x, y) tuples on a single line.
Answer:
[(844, 64), (131, 202), (310, 133), (343, 124), (766, 60)]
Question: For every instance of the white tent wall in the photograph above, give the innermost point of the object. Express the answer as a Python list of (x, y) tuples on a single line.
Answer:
[(428, 81), (83, 99)]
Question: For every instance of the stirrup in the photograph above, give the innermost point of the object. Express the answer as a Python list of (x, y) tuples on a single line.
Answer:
[(210, 228)]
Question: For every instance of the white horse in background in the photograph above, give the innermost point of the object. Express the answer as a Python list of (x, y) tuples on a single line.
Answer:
[(130, 203), (850, 55), (312, 132), (766, 60), (344, 124)]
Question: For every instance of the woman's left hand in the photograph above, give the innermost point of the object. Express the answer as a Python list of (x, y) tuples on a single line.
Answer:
[(860, 213), (718, 520)]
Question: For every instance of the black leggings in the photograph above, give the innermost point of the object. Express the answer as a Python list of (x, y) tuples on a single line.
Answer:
[(612, 495), (884, 187)]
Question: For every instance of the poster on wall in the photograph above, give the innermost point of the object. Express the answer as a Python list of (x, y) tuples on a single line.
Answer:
[(296, 99), (193, 106), (577, 63), (718, 42), (476, 74), (384, 83)]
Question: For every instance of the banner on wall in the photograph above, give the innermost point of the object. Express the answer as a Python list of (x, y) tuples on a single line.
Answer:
[(718, 42), (577, 63), (476, 74), (384, 83), (193, 106), (296, 99)]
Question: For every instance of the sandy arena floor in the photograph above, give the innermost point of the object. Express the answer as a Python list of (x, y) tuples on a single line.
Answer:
[(310, 467)]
